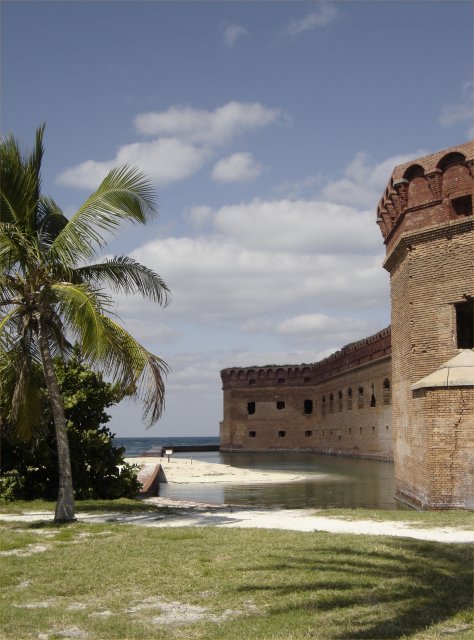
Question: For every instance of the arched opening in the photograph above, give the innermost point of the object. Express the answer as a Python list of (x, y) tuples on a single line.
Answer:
[(415, 171), (450, 160)]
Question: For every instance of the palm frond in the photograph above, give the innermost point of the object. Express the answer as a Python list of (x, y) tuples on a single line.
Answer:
[(50, 221), (8, 324), (17, 248), (21, 393), (82, 309), (140, 373), (20, 182), (124, 194), (124, 275)]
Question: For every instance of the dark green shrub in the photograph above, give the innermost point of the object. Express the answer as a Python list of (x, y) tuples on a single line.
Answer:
[(98, 467)]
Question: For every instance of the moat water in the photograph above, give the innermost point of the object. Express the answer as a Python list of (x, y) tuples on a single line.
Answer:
[(332, 481)]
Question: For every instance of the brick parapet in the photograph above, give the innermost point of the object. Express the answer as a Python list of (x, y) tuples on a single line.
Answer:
[(426, 192), (352, 356)]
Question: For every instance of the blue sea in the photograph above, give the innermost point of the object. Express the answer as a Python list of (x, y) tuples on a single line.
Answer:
[(135, 447), (331, 481)]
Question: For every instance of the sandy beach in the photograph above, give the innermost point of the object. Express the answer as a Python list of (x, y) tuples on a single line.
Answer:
[(187, 471)]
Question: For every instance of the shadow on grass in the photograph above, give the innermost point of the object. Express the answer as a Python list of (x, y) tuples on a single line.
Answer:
[(114, 506), (390, 591)]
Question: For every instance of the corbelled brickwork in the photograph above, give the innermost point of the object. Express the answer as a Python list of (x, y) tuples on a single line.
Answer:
[(344, 403), (339, 405)]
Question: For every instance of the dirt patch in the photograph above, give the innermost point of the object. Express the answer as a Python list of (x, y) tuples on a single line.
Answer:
[(179, 613), (29, 550), (34, 605), (70, 632)]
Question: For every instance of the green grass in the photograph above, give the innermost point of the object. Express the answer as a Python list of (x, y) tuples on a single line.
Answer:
[(113, 581), (456, 518), (123, 505)]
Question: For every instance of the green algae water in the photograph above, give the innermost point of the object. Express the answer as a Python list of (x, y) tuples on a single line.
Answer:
[(331, 481)]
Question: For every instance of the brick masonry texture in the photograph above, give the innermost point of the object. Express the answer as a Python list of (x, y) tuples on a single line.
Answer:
[(339, 405), (430, 258), (358, 401)]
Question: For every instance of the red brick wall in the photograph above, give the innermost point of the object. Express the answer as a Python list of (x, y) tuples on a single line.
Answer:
[(430, 258)]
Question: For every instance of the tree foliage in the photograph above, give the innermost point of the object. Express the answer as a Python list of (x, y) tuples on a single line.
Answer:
[(51, 295), (98, 468)]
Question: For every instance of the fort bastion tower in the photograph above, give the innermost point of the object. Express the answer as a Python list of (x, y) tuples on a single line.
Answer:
[(426, 219)]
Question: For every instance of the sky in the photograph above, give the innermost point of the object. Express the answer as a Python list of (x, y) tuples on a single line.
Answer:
[(269, 131)]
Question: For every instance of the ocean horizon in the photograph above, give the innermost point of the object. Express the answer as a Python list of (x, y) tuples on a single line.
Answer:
[(135, 447)]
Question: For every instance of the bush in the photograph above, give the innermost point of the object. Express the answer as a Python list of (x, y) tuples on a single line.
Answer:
[(12, 486), (98, 468)]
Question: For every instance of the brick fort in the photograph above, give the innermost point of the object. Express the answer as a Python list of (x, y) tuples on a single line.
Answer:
[(406, 393)]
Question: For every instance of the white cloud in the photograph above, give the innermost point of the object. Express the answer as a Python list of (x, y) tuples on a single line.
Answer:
[(165, 160), (147, 330), (212, 128), (460, 112), (314, 226), (232, 32), (321, 16), (363, 183), (295, 188), (319, 328), (87, 175), (271, 258), (187, 139), (219, 282), (239, 167), (199, 216)]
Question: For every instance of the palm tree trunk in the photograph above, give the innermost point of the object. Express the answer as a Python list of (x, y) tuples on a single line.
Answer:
[(65, 502)]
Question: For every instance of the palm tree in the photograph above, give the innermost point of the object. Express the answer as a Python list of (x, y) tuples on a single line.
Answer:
[(50, 296)]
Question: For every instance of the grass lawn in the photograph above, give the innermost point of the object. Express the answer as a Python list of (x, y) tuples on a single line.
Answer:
[(113, 581), (455, 518)]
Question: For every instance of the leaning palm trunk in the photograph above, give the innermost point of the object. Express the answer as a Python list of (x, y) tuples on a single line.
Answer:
[(65, 502)]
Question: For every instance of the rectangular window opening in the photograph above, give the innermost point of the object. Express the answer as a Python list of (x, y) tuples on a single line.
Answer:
[(281, 434), (308, 434), (250, 408), (463, 205), (308, 407), (465, 324), (280, 404)]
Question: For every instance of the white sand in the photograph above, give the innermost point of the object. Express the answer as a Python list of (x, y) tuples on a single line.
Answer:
[(188, 471), (305, 520)]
